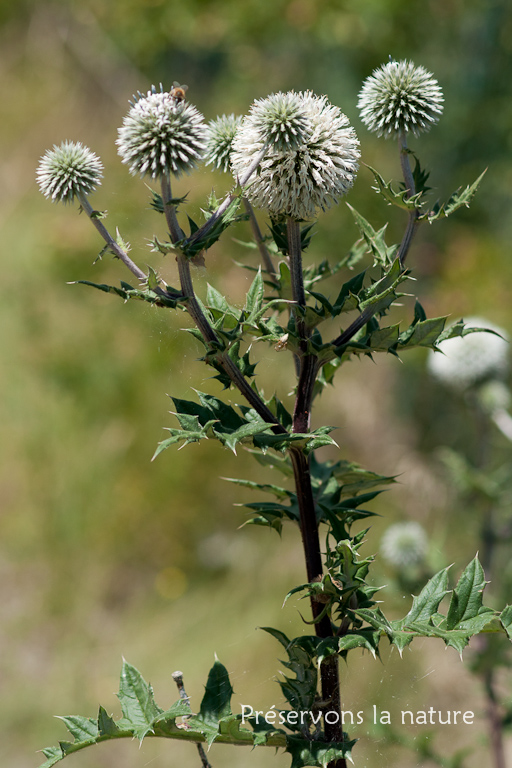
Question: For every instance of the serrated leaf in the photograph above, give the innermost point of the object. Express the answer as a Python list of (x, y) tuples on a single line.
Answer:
[(276, 490), (399, 198), (81, 728), (316, 753), (216, 701), (168, 298), (506, 620), (427, 602), (456, 201), (382, 254), (254, 297), (423, 334), (137, 701), (106, 724), (466, 602)]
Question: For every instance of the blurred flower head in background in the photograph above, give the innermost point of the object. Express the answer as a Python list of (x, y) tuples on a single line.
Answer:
[(404, 544), (68, 171), (311, 159), (398, 98), (473, 359), (162, 135)]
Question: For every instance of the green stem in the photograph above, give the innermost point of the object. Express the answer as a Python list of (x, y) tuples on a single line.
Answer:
[(116, 249), (412, 222), (260, 242), (175, 231), (297, 277), (228, 199)]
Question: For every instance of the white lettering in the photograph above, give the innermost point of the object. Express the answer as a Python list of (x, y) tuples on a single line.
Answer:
[(244, 707)]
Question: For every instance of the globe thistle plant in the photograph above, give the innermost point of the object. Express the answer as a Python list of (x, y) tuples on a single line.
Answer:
[(399, 98), (311, 158), (161, 135), (221, 133), (470, 360), (404, 544), (68, 171)]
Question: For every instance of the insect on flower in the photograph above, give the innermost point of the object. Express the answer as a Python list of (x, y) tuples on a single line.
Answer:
[(178, 91)]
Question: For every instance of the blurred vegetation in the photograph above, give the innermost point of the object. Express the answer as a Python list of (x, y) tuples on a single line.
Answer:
[(103, 553)]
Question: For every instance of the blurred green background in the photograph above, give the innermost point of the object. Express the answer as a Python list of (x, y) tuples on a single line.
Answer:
[(104, 554)]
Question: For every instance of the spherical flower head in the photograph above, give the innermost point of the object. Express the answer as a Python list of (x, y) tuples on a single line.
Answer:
[(161, 135), (400, 97), (280, 120), (310, 171), (221, 133), (68, 171), (404, 544), (467, 361)]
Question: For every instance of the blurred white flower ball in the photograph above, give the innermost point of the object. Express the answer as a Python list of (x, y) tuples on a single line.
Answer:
[(472, 359), (404, 544)]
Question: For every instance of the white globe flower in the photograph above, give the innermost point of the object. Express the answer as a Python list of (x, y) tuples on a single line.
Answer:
[(400, 97), (161, 135), (311, 156), (68, 171)]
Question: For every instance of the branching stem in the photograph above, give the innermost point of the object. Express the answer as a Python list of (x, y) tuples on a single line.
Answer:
[(229, 366)]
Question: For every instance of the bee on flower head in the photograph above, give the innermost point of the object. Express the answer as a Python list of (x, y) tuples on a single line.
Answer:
[(178, 91)]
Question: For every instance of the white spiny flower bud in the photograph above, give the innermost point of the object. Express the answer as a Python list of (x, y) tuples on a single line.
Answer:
[(68, 171), (311, 157), (400, 97), (161, 135)]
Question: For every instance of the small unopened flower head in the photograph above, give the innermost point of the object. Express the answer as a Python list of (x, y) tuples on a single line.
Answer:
[(309, 171), (466, 361), (221, 133), (404, 544), (68, 171), (400, 97), (161, 135)]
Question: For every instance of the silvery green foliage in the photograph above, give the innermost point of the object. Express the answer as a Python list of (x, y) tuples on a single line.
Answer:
[(311, 159), (221, 133), (467, 360), (398, 98), (68, 171), (160, 135)]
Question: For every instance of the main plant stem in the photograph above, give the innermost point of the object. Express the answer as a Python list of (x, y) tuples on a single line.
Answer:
[(308, 370)]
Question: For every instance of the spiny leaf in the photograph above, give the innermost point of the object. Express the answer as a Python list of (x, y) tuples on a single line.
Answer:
[(137, 701), (316, 753), (427, 602), (467, 596), (456, 201), (216, 702), (169, 297), (399, 198), (81, 728), (382, 253)]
